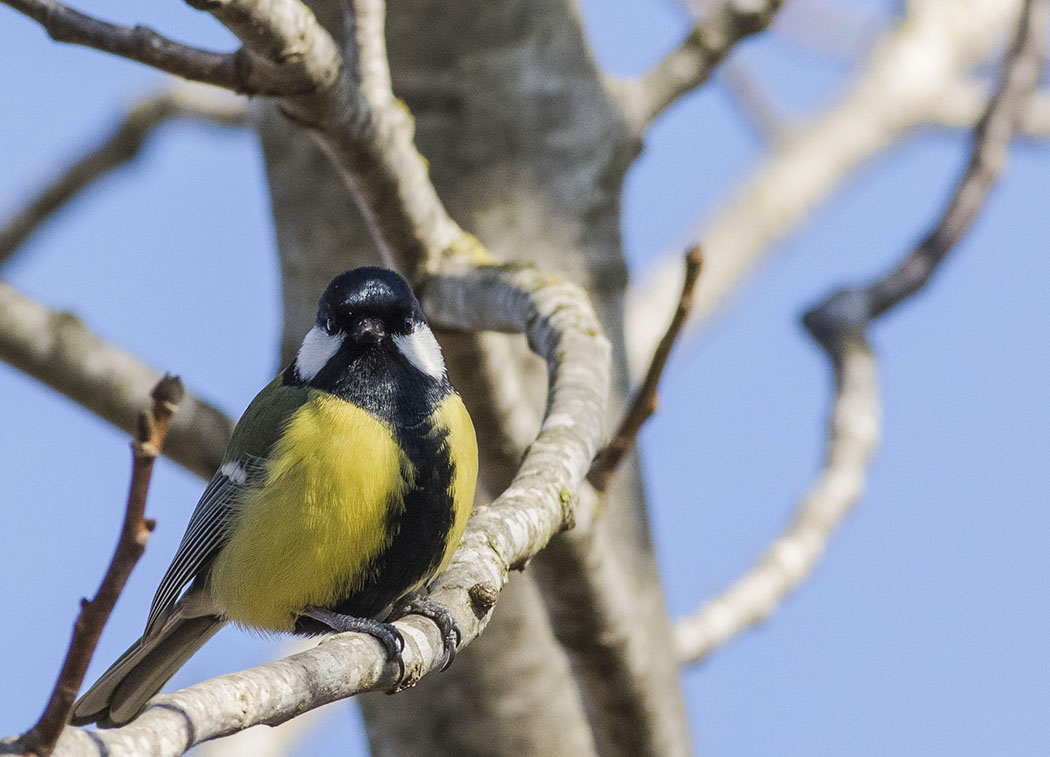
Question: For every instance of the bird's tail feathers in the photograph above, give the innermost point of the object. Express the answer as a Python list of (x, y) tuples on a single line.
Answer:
[(146, 666)]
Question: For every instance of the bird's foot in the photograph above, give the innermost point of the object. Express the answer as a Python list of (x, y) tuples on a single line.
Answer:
[(386, 634), (450, 634)]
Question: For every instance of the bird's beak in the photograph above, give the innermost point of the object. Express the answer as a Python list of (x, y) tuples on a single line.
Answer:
[(369, 330)]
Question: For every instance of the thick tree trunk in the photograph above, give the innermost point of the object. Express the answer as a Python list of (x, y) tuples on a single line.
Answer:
[(528, 153)]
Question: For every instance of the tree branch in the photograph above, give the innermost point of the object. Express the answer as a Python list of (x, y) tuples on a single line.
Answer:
[(152, 427), (752, 99), (845, 32), (686, 67), (238, 71), (962, 104), (351, 111), (121, 146), (562, 328), (839, 324), (1020, 73), (355, 118), (644, 402), (933, 44), (59, 350)]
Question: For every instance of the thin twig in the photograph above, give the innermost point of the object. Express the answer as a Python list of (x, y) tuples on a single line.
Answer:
[(149, 438), (840, 324), (644, 402), (690, 64), (752, 99), (121, 146), (854, 308), (239, 71)]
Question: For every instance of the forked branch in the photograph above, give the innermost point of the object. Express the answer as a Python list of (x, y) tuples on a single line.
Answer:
[(840, 325), (239, 71), (689, 65), (931, 45)]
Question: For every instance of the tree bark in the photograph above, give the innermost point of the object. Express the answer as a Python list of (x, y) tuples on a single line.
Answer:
[(528, 153)]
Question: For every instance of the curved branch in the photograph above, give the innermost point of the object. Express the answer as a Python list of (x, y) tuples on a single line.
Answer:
[(59, 350), (689, 65), (1022, 68), (563, 329), (839, 324), (853, 436), (121, 146), (934, 43)]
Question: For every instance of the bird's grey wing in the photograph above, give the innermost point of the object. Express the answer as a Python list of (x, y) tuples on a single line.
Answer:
[(205, 534)]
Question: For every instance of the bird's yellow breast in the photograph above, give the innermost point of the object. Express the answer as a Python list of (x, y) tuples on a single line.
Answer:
[(332, 492), (307, 536)]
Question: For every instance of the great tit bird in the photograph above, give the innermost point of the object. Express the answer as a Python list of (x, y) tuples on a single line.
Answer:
[(344, 489)]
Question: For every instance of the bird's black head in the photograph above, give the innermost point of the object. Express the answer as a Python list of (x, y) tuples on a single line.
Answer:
[(367, 317), (369, 304)]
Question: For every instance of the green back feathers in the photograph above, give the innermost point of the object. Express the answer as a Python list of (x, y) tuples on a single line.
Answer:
[(264, 420)]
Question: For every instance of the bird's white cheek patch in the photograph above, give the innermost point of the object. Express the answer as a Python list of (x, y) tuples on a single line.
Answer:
[(422, 350), (318, 348)]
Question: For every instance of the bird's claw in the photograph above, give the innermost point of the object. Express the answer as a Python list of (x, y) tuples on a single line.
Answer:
[(450, 635), (387, 635)]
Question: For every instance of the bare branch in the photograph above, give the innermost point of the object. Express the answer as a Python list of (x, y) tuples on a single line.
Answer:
[(853, 436), (152, 427), (839, 324), (121, 146), (644, 402), (934, 43), (686, 67), (59, 350), (351, 111), (354, 116), (962, 104), (846, 32), (237, 71), (752, 99), (502, 537), (1022, 67)]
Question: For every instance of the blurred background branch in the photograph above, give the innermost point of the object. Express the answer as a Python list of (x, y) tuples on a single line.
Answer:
[(179, 101)]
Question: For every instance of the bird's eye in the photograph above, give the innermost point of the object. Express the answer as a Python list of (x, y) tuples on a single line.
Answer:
[(329, 325), (409, 323)]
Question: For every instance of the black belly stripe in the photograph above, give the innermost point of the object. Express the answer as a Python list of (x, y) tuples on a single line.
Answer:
[(404, 399), (420, 531)]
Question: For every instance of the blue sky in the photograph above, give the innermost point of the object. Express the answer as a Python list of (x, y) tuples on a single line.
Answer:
[(923, 629)]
